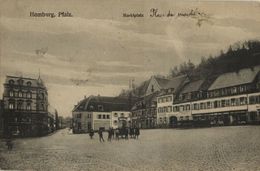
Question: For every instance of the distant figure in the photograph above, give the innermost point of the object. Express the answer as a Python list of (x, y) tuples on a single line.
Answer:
[(100, 133), (117, 134), (9, 143), (91, 133), (131, 133), (109, 134), (113, 133), (137, 132), (126, 133)]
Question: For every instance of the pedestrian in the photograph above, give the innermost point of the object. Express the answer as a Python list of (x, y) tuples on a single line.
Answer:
[(113, 133), (91, 133), (126, 133), (117, 134), (131, 133), (9, 142), (100, 133), (137, 132), (109, 135)]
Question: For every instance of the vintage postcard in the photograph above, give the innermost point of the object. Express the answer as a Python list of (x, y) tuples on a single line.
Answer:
[(138, 85)]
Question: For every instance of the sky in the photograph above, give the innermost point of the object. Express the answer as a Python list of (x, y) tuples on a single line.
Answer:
[(97, 51)]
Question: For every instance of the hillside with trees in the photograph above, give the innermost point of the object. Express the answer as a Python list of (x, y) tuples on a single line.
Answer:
[(238, 56)]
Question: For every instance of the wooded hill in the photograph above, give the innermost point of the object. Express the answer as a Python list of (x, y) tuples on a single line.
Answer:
[(236, 57)]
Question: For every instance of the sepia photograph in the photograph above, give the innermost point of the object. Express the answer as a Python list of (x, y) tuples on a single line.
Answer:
[(130, 85)]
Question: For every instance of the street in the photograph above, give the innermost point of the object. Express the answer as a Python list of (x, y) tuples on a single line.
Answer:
[(219, 148)]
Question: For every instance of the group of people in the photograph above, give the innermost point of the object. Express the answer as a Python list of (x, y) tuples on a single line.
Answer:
[(133, 132)]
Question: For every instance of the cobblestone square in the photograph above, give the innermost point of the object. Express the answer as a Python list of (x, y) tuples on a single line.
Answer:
[(219, 148)]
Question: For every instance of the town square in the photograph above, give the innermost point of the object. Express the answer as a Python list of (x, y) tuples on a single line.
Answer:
[(219, 148), (129, 85)]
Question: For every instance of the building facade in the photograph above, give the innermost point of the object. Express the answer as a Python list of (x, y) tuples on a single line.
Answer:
[(1, 118), (233, 98), (100, 112), (25, 103)]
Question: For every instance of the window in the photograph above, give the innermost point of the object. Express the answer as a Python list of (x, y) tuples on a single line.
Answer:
[(252, 100), (29, 83), (195, 106), (122, 115), (201, 106), (152, 90), (237, 102), (223, 103), (20, 94), (11, 105), (99, 116), (11, 82), (79, 115), (115, 121), (104, 116), (115, 115), (169, 108), (11, 93), (29, 95), (170, 98), (215, 104), (100, 108), (243, 101), (187, 107), (227, 102), (28, 106), (181, 108), (233, 102), (108, 116), (20, 105), (234, 90), (208, 105), (43, 107)]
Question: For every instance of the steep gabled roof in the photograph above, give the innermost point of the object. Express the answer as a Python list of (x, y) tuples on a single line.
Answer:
[(175, 82), (243, 76), (192, 86), (162, 81)]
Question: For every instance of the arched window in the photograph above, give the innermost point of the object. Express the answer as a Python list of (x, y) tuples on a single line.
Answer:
[(11, 93), (11, 105), (20, 105), (29, 83), (20, 93), (29, 94), (43, 107), (28, 106), (11, 82)]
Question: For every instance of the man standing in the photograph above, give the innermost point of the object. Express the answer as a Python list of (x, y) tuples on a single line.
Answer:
[(100, 133)]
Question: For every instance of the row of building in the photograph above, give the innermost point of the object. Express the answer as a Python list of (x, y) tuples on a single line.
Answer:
[(231, 98), (24, 109)]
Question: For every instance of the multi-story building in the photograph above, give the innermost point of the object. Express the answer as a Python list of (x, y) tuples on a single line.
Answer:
[(165, 99), (145, 112), (1, 118), (233, 98), (97, 112), (25, 106)]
